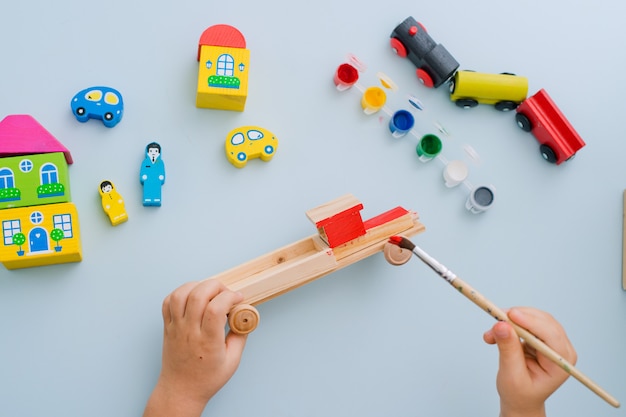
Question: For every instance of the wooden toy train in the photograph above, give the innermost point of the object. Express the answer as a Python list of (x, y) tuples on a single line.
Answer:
[(537, 114), (557, 138), (343, 238)]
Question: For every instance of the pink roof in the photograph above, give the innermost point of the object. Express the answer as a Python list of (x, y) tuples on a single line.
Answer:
[(21, 134), (222, 35)]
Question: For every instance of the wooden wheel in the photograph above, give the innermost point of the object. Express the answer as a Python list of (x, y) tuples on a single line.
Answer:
[(395, 255), (243, 319)]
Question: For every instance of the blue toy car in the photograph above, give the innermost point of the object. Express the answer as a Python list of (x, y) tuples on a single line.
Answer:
[(102, 103)]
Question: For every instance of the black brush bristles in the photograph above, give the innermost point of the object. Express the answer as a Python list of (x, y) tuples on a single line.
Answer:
[(403, 242)]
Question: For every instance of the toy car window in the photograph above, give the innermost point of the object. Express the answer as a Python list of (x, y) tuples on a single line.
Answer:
[(111, 98), (237, 139), (93, 95), (254, 135)]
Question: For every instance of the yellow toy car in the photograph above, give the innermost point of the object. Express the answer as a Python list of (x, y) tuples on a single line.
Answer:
[(249, 142), (504, 91)]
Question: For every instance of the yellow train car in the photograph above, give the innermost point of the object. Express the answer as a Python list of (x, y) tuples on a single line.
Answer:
[(504, 91)]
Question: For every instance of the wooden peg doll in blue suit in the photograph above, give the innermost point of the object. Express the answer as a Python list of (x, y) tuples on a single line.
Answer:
[(152, 175)]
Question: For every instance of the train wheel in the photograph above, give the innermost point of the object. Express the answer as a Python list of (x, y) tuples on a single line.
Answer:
[(395, 255), (425, 78), (506, 105), (398, 47), (243, 319), (466, 103), (523, 122), (547, 153)]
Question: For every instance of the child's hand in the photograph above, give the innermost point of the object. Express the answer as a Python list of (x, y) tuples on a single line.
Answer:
[(198, 356), (526, 378)]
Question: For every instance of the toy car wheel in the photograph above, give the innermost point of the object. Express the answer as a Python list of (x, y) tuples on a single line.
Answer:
[(243, 319), (523, 122), (269, 149), (395, 255), (398, 47), (547, 153), (80, 111), (506, 105), (241, 156), (466, 103), (108, 116), (425, 78)]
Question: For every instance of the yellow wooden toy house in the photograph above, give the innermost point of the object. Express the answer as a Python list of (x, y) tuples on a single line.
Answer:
[(39, 222), (223, 69)]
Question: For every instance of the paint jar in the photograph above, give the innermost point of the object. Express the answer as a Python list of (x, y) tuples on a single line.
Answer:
[(480, 199), (455, 173), (373, 100), (401, 123), (428, 147), (345, 77)]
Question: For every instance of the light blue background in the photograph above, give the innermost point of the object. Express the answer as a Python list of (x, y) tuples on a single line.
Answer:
[(371, 340)]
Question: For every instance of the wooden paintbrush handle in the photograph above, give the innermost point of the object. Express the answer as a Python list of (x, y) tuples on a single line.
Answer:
[(532, 340)]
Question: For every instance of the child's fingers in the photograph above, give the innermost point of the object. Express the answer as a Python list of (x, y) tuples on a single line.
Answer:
[(174, 304), (489, 337), (546, 328), (512, 358), (215, 313), (200, 297)]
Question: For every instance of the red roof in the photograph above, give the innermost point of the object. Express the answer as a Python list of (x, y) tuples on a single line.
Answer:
[(21, 134), (221, 35)]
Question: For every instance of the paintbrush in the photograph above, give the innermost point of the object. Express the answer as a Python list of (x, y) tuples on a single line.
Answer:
[(500, 315)]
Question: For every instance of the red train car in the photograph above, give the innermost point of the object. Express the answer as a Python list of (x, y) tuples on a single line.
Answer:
[(558, 140)]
